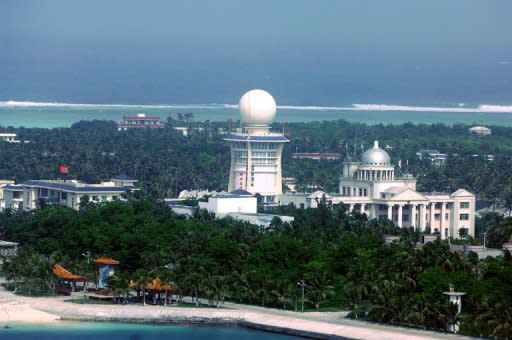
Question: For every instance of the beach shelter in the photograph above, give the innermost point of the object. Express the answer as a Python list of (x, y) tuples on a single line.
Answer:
[(67, 276), (107, 268), (155, 287)]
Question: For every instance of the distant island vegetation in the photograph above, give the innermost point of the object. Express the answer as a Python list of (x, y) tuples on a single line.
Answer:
[(166, 162)]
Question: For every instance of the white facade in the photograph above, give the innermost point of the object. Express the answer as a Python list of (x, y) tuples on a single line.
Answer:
[(371, 187), (480, 130), (9, 137), (12, 197), (305, 200), (255, 151), (240, 205), (231, 203), (67, 193)]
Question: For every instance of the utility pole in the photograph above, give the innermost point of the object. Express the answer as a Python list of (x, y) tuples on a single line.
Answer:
[(302, 284), (485, 234)]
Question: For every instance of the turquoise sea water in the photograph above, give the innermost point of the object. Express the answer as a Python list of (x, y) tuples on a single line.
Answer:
[(64, 115), (121, 331)]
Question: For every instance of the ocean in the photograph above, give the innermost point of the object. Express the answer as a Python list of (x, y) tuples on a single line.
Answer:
[(121, 331), (52, 115)]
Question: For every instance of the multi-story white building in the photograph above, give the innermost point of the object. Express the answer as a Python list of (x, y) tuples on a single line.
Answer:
[(371, 187), (69, 193), (255, 150)]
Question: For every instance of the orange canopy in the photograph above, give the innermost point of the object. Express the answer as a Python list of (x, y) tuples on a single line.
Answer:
[(155, 285), (106, 260), (66, 275)]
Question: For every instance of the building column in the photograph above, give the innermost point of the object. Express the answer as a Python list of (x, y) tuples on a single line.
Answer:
[(422, 217), (362, 208), (432, 206), (443, 225), (412, 217), (454, 214), (399, 219), (350, 208), (390, 212)]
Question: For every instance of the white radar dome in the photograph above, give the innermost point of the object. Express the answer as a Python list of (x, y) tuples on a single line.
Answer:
[(257, 108)]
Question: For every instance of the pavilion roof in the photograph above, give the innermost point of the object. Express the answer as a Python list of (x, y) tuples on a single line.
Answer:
[(106, 260), (156, 285), (66, 275)]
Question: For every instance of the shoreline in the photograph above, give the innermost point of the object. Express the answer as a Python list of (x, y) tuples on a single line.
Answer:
[(317, 325), (212, 322)]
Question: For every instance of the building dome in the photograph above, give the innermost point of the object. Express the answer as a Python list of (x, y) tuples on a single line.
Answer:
[(376, 156), (257, 108)]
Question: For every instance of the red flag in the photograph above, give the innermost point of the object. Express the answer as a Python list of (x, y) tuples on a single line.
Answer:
[(64, 170)]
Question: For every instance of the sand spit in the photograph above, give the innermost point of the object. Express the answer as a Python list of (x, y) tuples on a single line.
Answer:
[(15, 309)]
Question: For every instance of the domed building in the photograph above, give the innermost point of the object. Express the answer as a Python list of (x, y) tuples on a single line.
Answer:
[(371, 186), (255, 150)]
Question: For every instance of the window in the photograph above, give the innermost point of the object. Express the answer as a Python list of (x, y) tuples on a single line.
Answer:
[(464, 205), (437, 217), (114, 198), (464, 217), (64, 196), (104, 198)]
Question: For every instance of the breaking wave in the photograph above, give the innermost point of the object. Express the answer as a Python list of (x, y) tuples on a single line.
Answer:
[(13, 103), (484, 108)]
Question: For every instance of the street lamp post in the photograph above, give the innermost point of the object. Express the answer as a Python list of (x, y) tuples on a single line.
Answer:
[(87, 255), (302, 284), (485, 234)]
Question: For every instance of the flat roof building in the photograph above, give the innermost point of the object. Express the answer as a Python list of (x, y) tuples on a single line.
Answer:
[(140, 121), (480, 130), (9, 137), (69, 193), (317, 155)]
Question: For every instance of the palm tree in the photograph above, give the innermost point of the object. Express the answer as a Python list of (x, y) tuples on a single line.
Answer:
[(498, 315), (166, 279), (142, 279), (120, 285)]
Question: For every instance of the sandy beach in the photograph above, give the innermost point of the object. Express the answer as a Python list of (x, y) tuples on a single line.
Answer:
[(327, 325)]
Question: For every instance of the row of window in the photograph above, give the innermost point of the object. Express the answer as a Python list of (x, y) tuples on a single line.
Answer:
[(256, 146), (350, 191)]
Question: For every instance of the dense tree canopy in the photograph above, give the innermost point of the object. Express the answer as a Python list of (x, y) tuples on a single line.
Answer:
[(342, 258), (165, 162)]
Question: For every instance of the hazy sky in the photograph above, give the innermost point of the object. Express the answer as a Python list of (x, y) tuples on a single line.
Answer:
[(283, 40)]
